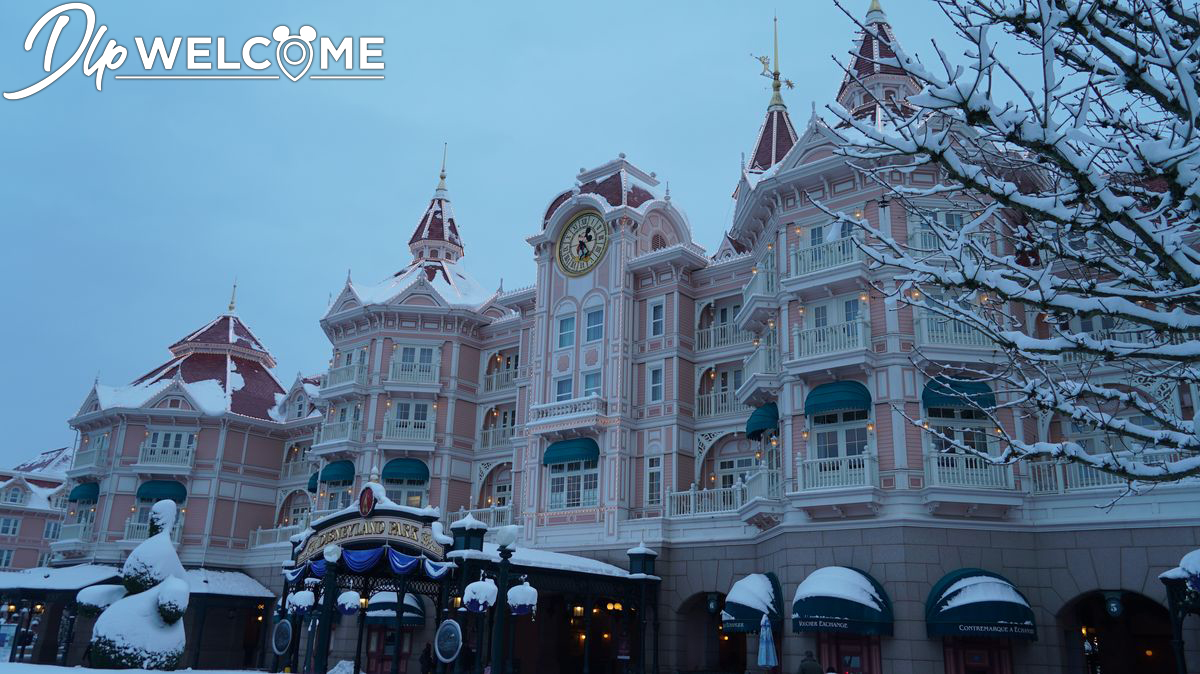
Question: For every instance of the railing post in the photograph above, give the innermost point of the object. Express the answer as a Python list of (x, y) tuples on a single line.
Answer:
[(692, 499)]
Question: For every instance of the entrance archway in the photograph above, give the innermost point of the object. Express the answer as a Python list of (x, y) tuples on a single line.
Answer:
[(703, 648), (1136, 639)]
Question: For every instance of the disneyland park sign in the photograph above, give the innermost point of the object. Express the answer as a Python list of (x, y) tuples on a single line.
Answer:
[(372, 527), (198, 57)]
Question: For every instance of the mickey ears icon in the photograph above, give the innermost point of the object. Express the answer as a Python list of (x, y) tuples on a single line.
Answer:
[(282, 33)]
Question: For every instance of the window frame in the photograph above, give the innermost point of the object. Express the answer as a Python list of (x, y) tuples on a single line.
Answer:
[(651, 370), (598, 390), (558, 392), (841, 424), (566, 338), (654, 469), (4, 526), (656, 327), (559, 485), (588, 327)]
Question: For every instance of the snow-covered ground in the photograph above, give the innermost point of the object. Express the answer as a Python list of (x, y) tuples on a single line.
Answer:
[(26, 668)]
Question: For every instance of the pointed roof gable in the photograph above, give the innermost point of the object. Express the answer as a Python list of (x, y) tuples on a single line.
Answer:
[(777, 135), (873, 42)]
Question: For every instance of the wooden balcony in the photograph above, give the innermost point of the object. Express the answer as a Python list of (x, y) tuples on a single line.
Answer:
[(836, 338), (501, 380), (345, 375), (340, 431), (824, 256), (721, 336), (168, 459), (408, 430)]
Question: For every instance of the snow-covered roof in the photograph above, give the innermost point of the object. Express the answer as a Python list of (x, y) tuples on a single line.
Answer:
[(842, 583), (39, 496), (543, 559), (449, 279), (467, 522), (62, 578), (52, 463), (227, 583), (641, 549)]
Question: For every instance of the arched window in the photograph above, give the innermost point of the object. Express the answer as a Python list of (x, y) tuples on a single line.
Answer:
[(657, 241)]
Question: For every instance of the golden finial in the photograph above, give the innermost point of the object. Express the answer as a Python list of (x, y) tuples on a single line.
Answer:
[(771, 70), (233, 297), (442, 175), (874, 7)]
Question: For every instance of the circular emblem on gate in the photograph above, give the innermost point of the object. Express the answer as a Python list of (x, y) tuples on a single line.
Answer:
[(366, 502), (281, 637), (447, 641)]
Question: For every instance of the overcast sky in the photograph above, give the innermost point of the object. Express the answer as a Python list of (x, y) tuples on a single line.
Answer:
[(128, 212)]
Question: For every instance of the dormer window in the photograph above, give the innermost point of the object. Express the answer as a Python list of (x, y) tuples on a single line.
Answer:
[(14, 494), (300, 407)]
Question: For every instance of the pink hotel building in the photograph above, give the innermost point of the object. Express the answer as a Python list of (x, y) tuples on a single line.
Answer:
[(741, 411)]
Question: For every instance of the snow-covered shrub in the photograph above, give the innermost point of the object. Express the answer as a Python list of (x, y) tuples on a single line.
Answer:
[(144, 628), (92, 600)]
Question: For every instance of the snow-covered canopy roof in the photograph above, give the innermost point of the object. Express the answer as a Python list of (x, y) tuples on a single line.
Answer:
[(841, 583), (543, 559), (227, 583), (71, 578)]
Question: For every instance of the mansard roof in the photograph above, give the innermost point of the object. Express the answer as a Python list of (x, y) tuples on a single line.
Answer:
[(226, 330)]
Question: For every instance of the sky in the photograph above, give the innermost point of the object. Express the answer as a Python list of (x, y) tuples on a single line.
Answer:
[(128, 212)]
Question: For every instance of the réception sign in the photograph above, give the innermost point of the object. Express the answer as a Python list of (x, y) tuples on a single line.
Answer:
[(383, 528)]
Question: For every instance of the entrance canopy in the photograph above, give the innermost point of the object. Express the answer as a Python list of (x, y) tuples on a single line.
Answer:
[(405, 469), (978, 603), (381, 610), (312, 482), (88, 491), (338, 471), (837, 396), (158, 490), (749, 599), (947, 392), (842, 600), (765, 418), (575, 449)]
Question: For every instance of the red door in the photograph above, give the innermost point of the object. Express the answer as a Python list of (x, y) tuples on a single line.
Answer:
[(978, 656)]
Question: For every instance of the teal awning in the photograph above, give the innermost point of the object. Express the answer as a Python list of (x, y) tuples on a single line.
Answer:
[(841, 599), (746, 600), (381, 610), (312, 482), (978, 603), (338, 471), (88, 491), (159, 490), (575, 449), (406, 469), (765, 418), (947, 392), (837, 396)]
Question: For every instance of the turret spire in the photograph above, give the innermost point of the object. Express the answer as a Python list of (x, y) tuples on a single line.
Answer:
[(777, 135), (436, 235), (441, 186), (233, 297), (776, 98)]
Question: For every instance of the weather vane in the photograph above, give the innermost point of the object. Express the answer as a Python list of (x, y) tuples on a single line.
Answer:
[(767, 62)]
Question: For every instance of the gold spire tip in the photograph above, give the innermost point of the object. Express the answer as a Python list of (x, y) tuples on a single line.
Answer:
[(233, 298), (442, 175), (874, 7)]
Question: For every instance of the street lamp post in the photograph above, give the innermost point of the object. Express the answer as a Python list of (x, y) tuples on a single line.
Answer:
[(506, 538), (362, 619)]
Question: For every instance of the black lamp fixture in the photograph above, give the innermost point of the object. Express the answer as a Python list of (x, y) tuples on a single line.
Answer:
[(641, 560)]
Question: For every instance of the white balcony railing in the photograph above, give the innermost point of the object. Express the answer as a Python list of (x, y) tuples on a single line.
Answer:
[(1049, 477), (176, 457), (720, 336), (926, 241), (298, 469), (420, 430), (414, 372), (834, 338), (76, 531), (346, 374), (764, 360), (494, 516), (699, 502), (824, 256), (967, 470), (939, 331), (839, 472), (275, 535), (719, 403), (500, 380), (497, 436), (140, 531), (585, 406), (335, 431), (763, 281), (92, 458)]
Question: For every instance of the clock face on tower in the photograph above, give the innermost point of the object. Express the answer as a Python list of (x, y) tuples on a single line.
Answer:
[(582, 244)]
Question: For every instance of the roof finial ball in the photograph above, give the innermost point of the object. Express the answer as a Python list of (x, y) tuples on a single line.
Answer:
[(442, 175)]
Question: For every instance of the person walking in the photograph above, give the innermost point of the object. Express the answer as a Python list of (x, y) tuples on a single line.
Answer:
[(427, 660), (809, 664)]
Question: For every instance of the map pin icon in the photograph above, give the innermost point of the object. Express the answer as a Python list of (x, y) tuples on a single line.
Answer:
[(294, 53)]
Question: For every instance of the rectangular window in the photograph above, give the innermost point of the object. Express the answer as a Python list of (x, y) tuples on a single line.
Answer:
[(406, 492), (658, 321), (52, 529), (816, 236), (14, 495), (595, 325), (6, 558), (566, 332), (591, 383), (820, 316), (9, 526), (654, 481), (729, 471), (574, 484), (562, 389), (656, 384), (501, 493), (850, 310), (337, 495)]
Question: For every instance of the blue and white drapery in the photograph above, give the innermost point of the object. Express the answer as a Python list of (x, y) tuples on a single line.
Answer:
[(360, 561)]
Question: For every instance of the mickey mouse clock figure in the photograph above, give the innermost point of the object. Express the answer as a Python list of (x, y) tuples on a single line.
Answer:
[(582, 244)]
